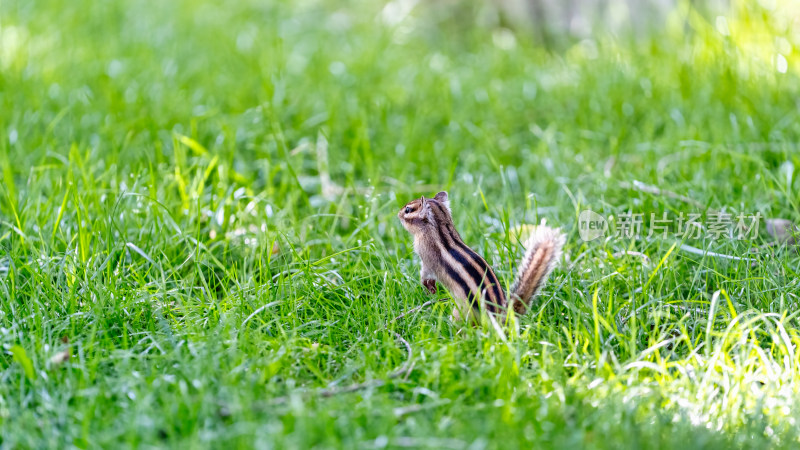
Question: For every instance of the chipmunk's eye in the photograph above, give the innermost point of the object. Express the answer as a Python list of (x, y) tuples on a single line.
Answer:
[(408, 209)]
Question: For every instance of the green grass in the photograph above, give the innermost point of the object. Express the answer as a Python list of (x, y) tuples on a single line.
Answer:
[(166, 219)]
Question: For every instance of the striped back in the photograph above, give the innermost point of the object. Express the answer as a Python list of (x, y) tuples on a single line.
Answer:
[(471, 272)]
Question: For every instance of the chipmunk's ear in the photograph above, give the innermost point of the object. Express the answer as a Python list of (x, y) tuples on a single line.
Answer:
[(442, 198), (425, 209)]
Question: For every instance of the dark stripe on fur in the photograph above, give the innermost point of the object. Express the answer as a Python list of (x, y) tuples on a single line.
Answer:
[(468, 259), (471, 270), (492, 278), (460, 258), (471, 295), (460, 281)]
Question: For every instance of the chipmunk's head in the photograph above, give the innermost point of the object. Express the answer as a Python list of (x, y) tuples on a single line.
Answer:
[(423, 213)]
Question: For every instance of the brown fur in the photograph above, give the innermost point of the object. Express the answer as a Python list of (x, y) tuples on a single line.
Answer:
[(469, 278)]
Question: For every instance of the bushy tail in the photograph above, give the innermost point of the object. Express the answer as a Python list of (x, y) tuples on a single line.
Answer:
[(543, 251)]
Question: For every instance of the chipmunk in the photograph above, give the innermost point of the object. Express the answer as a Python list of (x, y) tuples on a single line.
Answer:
[(470, 280)]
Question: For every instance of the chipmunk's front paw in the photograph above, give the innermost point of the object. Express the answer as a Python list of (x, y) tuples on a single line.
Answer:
[(430, 285)]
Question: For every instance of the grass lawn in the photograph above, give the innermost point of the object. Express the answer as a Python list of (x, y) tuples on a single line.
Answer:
[(199, 247)]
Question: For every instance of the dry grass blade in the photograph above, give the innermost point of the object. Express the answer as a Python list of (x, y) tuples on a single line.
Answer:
[(697, 251), (655, 190)]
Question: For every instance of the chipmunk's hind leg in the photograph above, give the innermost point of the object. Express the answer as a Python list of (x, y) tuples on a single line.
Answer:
[(463, 312)]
